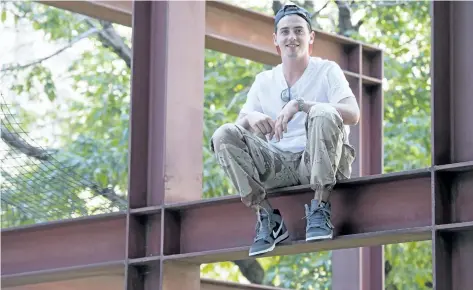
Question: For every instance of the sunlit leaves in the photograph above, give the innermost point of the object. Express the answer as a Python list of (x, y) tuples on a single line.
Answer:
[(310, 271)]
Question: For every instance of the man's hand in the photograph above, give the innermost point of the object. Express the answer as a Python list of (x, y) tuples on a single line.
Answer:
[(261, 123), (286, 115)]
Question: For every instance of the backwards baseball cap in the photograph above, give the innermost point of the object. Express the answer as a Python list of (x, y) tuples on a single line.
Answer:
[(290, 9)]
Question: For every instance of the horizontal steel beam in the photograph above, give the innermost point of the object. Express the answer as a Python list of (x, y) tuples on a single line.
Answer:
[(228, 29), (367, 211), (64, 245), (61, 276), (114, 280), (211, 284), (114, 11)]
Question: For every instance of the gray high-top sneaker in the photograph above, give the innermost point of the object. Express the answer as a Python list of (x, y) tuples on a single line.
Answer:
[(270, 230), (319, 225)]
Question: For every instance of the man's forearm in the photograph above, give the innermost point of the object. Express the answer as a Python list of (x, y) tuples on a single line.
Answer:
[(350, 114)]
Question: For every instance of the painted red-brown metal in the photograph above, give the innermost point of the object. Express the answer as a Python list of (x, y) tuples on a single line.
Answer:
[(461, 82), (452, 140), (114, 11), (167, 87), (346, 269), (141, 185), (358, 209), (367, 210), (147, 145), (62, 245), (114, 281), (228, 29), (184, 101), (366, 265), (372, 268)]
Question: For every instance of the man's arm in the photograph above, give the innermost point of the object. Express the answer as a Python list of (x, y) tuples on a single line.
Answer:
[(340, 96), (347, 107)]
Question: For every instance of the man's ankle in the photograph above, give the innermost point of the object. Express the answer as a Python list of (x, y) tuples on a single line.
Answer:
[(321, 202), (266, 205), (322, 195)]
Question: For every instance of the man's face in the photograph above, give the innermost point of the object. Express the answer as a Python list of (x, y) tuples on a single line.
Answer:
[(293, 36)]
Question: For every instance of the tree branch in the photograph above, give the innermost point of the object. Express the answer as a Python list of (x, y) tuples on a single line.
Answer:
[(15, 141), (345, 27), (110, 38), (251, 269), (110, 194), (70, 44), (316, 13), (276, 6)]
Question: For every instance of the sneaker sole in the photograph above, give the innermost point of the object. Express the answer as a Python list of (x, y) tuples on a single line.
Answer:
[(277, 241), (330, 236)]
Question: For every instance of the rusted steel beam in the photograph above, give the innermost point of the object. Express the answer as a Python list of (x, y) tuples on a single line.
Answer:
[(229, 29), (63, 249), (298, 247), (65, 278), (114, 280), (167, 98), (452, 139), (211, 284), (114, 11), (363, 268), (367, 211), (364, 213)]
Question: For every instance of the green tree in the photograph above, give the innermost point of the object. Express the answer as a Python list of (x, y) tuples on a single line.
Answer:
[(93, 122)]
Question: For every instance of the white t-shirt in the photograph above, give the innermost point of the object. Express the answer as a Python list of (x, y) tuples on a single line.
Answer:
[(323, 81)]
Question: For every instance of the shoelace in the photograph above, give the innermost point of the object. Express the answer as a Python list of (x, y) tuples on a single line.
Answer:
[(263, 228), (318, 216)]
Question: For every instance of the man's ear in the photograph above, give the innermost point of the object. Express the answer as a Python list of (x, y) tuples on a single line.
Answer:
[(311, 42), (312, 37), (276, 43)]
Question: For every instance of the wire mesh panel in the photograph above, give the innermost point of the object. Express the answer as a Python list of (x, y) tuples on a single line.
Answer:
[(40, 185)]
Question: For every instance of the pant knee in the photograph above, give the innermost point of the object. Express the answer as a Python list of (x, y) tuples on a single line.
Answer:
[(325, 111), (225, 134), (328, 116)]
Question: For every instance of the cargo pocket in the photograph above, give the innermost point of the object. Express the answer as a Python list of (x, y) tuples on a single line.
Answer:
[(346, 161)]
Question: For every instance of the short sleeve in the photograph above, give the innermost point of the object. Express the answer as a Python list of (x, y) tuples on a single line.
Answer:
[(338, 86), (252, 99)]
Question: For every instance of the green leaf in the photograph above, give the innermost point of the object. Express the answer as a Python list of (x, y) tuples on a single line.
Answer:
[(4, 15)]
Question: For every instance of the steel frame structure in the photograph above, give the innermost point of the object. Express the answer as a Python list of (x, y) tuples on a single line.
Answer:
[(168, 231)]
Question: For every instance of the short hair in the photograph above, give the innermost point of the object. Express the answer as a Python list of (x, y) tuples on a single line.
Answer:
[(292, 9)]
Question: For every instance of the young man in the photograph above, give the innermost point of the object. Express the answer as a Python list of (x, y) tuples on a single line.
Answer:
[(292, 130)]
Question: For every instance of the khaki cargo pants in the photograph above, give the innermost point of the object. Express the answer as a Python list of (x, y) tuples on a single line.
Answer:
[(253, 167)]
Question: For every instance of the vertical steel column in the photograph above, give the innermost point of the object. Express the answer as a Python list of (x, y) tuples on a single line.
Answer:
[(363, 268), (452, 142), (166, 138)]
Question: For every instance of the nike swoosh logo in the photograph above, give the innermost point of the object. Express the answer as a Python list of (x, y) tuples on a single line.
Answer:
[(275, 234)]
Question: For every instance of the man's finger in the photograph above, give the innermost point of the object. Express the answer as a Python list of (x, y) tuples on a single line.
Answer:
[(260, 129), (267, 127), (276, 133), (278, 128), (281, 126), (271, 124), (284, 123), (271, 134)]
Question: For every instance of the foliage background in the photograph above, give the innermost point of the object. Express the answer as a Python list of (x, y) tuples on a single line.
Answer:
[(70, 86)]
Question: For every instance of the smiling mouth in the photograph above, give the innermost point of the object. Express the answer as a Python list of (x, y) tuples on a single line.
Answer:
[(292, 45)]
